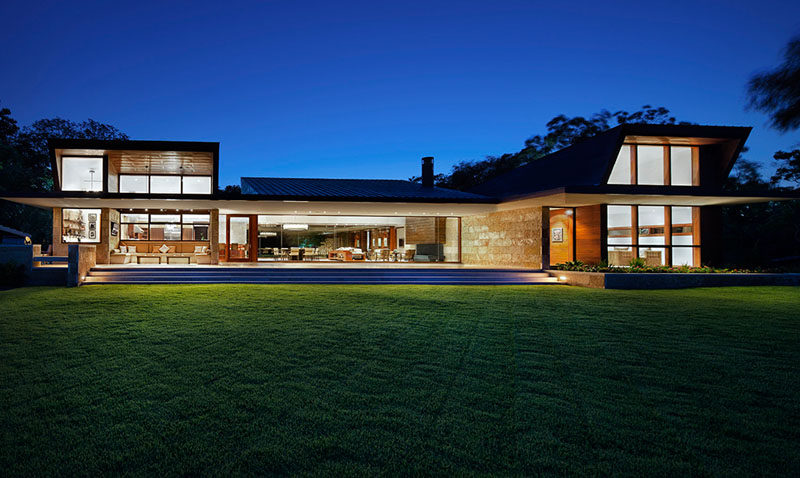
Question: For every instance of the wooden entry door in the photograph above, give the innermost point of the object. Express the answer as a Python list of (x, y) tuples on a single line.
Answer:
[(562, 238), (241, 233)]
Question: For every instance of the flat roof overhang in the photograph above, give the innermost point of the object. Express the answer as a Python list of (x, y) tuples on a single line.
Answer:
[(573, 196), (577, 196), (250, 206)]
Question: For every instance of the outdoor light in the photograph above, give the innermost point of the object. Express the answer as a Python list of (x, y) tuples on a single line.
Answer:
[(562, 278), (296, 227)]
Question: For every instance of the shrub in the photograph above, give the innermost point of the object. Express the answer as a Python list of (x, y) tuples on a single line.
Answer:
[(637, 263), (11, 274)]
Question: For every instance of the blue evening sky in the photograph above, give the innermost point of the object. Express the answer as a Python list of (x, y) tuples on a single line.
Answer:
[(363, 90)]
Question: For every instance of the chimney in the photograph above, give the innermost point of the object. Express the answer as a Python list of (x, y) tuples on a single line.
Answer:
[(427, 172)]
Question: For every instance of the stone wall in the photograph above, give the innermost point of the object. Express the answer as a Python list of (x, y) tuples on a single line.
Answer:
[(505, 238), (213, 235), (81, 258), (59, 247), (113, 241)]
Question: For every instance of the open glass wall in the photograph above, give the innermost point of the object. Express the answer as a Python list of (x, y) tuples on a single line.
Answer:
[(357, 238)]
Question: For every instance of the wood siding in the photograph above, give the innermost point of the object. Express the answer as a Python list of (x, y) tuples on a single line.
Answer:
[(589, 234)]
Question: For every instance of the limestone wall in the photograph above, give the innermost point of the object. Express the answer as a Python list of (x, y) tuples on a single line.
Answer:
[(505, 238), (81, 258)]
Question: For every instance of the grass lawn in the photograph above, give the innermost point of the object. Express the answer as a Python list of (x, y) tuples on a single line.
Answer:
[(250, 379)]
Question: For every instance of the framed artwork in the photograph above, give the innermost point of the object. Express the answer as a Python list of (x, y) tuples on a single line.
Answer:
[(557, 234), (114, 228)]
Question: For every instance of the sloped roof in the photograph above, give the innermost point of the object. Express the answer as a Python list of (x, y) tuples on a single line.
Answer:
[(13, 232), (589, 162), (353, 190)]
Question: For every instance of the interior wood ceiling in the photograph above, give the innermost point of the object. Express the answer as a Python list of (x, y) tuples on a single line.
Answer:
[(673, 141), (161, 162)]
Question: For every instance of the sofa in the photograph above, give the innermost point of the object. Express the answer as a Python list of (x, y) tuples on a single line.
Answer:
[(160, 254)]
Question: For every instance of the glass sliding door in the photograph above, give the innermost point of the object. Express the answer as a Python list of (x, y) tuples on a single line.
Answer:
[(239, 240)]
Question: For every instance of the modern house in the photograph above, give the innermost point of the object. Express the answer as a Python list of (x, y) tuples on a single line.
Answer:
[(648, 191)]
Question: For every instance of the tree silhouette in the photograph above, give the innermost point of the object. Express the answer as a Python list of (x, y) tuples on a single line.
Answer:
[(25, 165), (777, 92)]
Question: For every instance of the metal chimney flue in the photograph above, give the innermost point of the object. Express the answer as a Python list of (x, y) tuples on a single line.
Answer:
[(427, 172)]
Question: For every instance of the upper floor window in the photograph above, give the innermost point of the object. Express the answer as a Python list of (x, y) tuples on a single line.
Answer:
[(164, 184), (82, 174), (655, 165)]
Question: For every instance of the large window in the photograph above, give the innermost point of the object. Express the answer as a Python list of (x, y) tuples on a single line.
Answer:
[(164, 184), (82, 174), (681, 170), (621, 174), (655, 165), (164, 227), (80, 225), (660, 235), (129, 183), (650, 165), (197, 185)]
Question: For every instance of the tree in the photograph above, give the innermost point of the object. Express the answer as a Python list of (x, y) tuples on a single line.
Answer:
[(231, 191), (562, 131), (789, 170), (25, 165), (777, 92)]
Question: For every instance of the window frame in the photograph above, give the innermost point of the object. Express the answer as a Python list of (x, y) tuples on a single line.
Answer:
[(103, 179), (181, 181), (697, 240), (99, 225), (633, 151), (180, 224)]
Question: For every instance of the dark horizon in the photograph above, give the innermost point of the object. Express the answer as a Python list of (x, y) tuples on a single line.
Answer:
[(365, 91)]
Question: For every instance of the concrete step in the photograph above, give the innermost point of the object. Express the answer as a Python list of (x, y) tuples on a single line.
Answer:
[(312, 274), (193, 275), (95, 280)]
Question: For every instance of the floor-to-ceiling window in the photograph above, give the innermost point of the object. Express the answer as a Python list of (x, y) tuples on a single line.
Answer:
[(659, 235)]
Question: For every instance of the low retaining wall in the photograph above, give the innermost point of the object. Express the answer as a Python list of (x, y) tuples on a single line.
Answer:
[(81, 259), (632, 280)]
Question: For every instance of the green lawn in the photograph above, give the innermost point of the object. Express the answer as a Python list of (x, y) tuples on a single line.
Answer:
[(247, 379)]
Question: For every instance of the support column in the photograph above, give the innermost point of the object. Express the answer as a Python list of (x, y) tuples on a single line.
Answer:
[(545, 238), (59, 248), (213, 236)]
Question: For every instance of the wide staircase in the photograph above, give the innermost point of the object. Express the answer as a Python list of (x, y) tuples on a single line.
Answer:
[(257, 275)]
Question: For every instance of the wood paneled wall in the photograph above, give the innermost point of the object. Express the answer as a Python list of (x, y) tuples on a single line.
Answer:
[(426, 230), (589, 233)]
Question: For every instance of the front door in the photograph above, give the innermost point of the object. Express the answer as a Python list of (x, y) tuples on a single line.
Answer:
[(240, 240)]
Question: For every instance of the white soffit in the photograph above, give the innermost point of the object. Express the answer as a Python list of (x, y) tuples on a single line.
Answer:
[(318, 208)]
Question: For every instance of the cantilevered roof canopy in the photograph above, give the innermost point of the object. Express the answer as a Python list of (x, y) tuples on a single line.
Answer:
[(569, 197)]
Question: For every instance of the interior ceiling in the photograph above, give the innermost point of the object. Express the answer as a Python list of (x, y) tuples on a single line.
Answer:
[(152, 162), (681, 141)]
